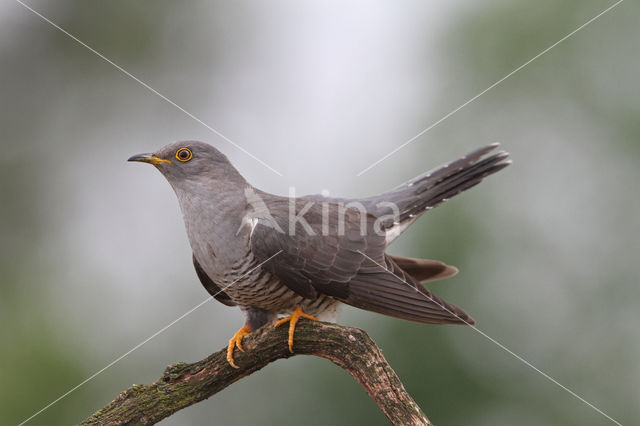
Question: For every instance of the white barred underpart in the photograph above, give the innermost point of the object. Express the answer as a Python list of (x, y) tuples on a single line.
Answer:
[(258, 288)]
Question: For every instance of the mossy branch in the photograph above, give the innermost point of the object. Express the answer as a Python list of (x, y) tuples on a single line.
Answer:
[(182, 384)]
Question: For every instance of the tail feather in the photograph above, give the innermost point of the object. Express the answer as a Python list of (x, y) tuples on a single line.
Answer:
[(441, 172), (436, 186), (456, 183), (424, 270)]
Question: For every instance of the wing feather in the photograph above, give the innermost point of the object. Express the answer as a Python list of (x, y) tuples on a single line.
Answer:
[(211, 287), (351, 265), (391, 291)]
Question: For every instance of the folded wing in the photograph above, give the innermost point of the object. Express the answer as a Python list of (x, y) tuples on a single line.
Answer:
[(345, 259)]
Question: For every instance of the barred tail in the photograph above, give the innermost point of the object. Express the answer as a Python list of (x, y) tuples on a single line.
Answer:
[(438, 185)]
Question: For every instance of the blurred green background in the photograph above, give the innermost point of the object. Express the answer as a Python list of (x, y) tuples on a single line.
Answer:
[(94, 257)]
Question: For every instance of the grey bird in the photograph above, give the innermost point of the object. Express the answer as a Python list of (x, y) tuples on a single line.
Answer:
[(302, 257)]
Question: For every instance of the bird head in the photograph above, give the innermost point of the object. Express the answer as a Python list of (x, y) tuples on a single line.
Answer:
[(187, 163)]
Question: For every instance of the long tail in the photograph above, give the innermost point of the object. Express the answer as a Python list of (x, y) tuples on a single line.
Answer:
[(436, 186)]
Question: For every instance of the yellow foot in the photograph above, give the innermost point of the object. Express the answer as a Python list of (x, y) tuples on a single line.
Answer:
[(236, 341), (292, 320)]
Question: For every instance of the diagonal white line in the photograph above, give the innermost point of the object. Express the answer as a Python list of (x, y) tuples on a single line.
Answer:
[(143, 342), (489, 88), (145, 85), (116, 360), (503, 347)]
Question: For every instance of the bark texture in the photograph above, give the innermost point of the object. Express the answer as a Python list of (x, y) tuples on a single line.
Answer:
[(183, 384)]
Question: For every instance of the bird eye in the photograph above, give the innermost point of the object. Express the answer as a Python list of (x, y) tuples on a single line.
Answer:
[(184, 154)]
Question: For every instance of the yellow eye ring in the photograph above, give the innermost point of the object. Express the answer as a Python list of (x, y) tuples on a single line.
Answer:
[(184, 154)]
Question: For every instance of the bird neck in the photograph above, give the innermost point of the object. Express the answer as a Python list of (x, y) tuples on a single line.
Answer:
[(212, 218)]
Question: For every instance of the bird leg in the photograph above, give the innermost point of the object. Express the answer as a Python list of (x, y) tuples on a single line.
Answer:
[(236, 341), (292, 320)]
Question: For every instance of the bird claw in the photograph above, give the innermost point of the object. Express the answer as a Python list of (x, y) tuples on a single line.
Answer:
[(236, 342), (292, 320)]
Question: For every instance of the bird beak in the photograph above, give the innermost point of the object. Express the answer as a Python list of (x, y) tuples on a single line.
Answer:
[(149, 158)]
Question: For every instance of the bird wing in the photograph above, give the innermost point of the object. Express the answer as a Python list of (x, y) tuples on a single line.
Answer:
[(211, 286), (315, 258), (386, 288), (344, 258)]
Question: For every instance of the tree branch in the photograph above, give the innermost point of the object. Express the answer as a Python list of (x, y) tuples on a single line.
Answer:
[(182, 384)]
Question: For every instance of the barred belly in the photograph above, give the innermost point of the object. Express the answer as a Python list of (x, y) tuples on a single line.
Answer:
[(257, 288)]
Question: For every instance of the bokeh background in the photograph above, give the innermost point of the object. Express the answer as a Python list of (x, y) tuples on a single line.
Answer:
[(94, 258)]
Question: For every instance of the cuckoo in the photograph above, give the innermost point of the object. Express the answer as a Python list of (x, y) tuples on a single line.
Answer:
[(301, 257)]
